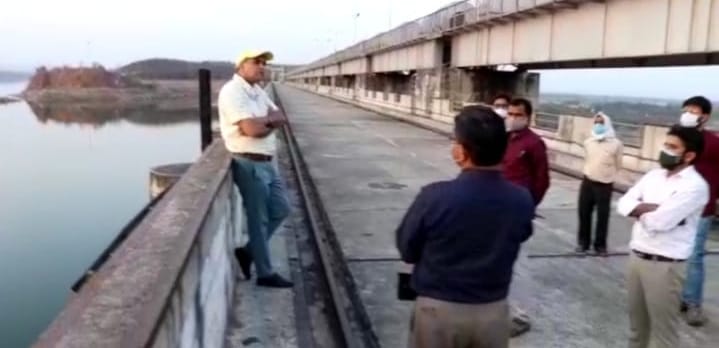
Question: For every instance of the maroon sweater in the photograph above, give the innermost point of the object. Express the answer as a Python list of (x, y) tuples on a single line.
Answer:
[(708, 166), (525, 163)]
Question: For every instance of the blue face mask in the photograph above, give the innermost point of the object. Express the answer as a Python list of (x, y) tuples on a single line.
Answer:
[(599, 129)]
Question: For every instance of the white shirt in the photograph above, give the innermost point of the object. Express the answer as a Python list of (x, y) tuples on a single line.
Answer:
[(238, 100), (670, 230)]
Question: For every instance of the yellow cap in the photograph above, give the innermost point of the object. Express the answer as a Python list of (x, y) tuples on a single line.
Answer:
[(249, 54)]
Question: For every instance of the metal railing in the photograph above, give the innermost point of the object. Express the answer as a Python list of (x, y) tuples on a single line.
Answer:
[(446, 20), (630, 134), (546, 121)]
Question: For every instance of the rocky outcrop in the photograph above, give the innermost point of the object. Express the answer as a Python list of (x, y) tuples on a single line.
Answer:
[(75, 78)]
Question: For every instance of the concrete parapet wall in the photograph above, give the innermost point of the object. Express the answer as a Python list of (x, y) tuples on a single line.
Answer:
[(170, 283)]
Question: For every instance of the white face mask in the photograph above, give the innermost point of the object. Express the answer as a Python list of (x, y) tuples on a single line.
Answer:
[(514, 124), (689, 119), (501, 112)]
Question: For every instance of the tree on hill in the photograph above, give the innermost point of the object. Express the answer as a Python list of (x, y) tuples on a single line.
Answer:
[(160, 68)]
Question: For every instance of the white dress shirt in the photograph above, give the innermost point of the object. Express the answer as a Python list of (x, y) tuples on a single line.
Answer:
[(238, 100), (670, 230)]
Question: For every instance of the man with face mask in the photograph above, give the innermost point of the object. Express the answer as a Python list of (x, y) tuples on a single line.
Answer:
[(603, 154), (525, 162), (500, 104), (696, 115), (667, 204), (463, 237)]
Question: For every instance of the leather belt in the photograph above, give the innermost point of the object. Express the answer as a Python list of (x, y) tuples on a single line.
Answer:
[(255, 156), (652, 257)]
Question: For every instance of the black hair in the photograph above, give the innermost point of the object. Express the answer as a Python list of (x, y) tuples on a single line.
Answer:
[(700, 101), (482, 133), (502, 96), (692, 138), (524, 103)]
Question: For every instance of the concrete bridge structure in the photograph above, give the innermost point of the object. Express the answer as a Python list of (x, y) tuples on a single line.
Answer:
[(470, 51)]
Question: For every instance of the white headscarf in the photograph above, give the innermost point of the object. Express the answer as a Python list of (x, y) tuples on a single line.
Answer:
[(610, 133)]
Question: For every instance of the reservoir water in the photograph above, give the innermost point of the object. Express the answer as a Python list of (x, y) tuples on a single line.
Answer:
[(70, 179)]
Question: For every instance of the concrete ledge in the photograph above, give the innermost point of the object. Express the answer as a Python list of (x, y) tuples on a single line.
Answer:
[(157, 288)]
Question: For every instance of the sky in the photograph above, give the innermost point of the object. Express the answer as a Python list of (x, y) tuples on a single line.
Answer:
[(114, 33)]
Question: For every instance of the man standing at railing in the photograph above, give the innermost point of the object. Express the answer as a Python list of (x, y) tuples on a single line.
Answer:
[(525, 164), (603, 154), (696, 115), (247, 121)]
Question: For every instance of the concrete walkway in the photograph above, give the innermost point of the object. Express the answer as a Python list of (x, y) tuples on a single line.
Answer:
[(260, 316), (369, 167)]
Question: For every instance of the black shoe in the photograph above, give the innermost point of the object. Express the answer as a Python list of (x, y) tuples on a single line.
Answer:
[(274, 281), (683, 307), (581, 250), (245, 260), (694, 316), (518, 326)]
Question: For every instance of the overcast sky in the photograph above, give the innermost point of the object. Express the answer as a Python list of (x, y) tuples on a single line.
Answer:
[(47, 32)]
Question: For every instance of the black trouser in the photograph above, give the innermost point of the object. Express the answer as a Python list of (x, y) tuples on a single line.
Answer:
[(591, 194)]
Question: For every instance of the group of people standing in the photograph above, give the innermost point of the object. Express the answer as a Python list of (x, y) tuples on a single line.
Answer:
[(690, 150), (463, 235)]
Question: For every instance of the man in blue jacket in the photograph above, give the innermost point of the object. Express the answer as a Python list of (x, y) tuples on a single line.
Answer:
[(463, 237)]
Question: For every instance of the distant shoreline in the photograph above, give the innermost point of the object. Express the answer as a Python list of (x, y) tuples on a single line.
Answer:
[(163, 93), (9, 99)]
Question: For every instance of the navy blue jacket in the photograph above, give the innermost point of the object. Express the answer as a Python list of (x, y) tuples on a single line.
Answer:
[(463, 236)]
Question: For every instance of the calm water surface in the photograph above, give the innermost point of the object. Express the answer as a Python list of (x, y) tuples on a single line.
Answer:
[(69, 180)]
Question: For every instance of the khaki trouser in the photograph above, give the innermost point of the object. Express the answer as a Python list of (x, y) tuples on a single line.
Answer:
[(654, 290), (441, 324)]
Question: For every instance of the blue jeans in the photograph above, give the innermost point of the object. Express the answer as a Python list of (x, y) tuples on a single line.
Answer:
[(266, 206), (694, 284)]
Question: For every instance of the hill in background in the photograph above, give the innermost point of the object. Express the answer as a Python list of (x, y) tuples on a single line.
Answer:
[(175, 69), (170, 69)]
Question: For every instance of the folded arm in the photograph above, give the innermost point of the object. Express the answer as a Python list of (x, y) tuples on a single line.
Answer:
[(237, 110), (673, 211), (628, 204)]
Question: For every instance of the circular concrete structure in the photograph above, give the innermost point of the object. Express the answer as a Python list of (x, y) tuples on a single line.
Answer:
[(162, 177)]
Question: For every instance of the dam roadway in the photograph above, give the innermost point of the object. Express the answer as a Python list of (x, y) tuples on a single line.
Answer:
[(368, 168)]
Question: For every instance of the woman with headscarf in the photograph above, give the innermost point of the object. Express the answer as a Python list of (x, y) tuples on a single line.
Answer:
[(602, 162)]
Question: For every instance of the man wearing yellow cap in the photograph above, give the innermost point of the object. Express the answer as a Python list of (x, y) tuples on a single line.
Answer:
[(248, 118)]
